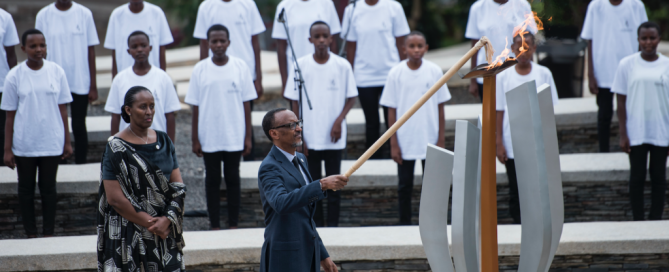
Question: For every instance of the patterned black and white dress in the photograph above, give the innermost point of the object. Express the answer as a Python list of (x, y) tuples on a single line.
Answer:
[(123, 245)]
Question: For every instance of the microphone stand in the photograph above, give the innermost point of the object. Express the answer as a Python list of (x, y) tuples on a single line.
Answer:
[(299, 79), (342, 49)]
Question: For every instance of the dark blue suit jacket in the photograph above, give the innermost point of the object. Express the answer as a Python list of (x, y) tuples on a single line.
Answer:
[(292, 243)]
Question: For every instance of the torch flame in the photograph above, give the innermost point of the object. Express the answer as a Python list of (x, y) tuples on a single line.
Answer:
[(531, 21)]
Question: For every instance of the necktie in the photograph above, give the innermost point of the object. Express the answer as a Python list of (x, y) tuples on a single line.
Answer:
[(297, 165)]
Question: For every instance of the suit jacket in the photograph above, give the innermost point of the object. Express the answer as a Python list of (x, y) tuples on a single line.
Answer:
[(292, 243)]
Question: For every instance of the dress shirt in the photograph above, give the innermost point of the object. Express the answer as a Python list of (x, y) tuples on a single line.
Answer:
[(290, 159)]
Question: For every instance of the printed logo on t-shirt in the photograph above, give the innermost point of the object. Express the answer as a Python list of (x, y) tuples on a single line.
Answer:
[(626, 25), (333, 85), (240, 20), (233, 88)]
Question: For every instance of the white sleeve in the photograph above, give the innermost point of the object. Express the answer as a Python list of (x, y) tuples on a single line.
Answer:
[(278, 32), (200, 31), (113, 104), (642, 13), (290, 92), (620, 79), (500, 98), (333, 18), (588, 26), (165, 32), (193, 95), (389, 94), (10, 96), (11, 37), (111, 34), (257, 24), (172, 103), (554, 92), (345, 26), (91, 32), (351, 88), (64, 96), (443, 94), (400, 24), (472, 30), (39, 21), (248, 89)]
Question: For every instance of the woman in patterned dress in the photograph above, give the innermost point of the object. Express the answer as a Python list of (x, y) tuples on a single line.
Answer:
[(141, 195)]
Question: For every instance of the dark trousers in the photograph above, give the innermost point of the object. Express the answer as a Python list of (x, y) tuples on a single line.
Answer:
[(3, 117), (514, 201), (604, 115), (405, 189), (212, 179), (79, 109), (369, 100), (250, 156), (27, 169), (657, 167), (332, 160), (480, 92)]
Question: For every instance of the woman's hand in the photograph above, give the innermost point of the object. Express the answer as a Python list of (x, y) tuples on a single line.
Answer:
[(197, 148), (9, 159), (396, 153), (625, 143), (161, 226), (67, 151), (501, 153)]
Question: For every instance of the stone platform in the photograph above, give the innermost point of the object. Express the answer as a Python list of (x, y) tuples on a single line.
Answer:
[(604, 246)]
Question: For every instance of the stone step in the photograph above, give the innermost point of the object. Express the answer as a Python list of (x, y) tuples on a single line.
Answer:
[(636, 244)]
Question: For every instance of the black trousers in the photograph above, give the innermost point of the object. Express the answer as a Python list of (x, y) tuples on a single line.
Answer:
[(405, 189), (480, 91), (657, 167), (27, 169), (212, 179), (604, 115), (79, 110), (332, 160), (514, 201), (369, 100), (3, 118), (250, 156)]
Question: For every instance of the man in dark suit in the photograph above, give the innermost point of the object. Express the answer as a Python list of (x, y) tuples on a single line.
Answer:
[(289, 198)]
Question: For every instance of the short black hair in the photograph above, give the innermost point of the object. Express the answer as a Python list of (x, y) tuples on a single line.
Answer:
[(218, 28), (268, 121), (527, 35), (129, 99), (138, 32), (649, 24), (31, 31), (318, 23)]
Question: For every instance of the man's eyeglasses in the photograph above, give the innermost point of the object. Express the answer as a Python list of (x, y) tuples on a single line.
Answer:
[(291, 125)]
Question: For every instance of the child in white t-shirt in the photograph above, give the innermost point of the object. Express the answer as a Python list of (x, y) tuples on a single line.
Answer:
[(406, 83), (496, 20), (220, 92), (137, 15), (8, 39), (376, 32), (331, 87), (35, 98), (70, 32), (610, 29), (507, 80), (142, 73), (642, 87), (300, 15)]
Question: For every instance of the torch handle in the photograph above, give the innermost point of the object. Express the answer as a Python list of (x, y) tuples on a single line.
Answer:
[(421, 101)]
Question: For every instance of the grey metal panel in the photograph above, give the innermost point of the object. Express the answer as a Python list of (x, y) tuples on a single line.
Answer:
[(463, 223), (553, 169), (433, 217), (478, 193), (530, 159)]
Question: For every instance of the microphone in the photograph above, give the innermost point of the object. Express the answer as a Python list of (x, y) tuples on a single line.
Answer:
[(282, 19)]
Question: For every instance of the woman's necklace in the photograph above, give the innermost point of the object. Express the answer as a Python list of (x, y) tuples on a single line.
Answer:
[(147, 136)]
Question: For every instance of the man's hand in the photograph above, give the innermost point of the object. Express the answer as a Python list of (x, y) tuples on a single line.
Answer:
[(396, 153), (501, 153), (247, 146), (335, 133), (92, 94), (625, 144), (474, 87), (67, 151), (9, 159), (259, 89), (197, 148), (160, 227), (592, 84), (335, 182), (328, 265)]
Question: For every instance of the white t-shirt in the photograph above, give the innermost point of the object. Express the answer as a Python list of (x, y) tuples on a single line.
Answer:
[(35, 96), (160, 85), (495, 21), (646, 85), (8, 37), (299, 17), (68, 35), (122, 22), (220, 93), (242, 19), (328, 86), (510, 79), (613, 31), (374, 29), (403, 88)]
